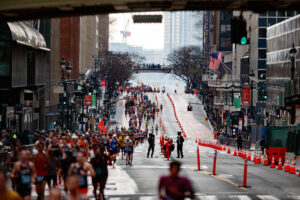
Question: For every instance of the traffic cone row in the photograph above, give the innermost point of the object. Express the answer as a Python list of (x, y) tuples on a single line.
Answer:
[(279, 166), (257, 157), (272, 163), (287, 165)]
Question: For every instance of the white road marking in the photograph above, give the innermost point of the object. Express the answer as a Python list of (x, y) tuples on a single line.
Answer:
[(240, 197), (208, 197), (267, 197), (204, 167)]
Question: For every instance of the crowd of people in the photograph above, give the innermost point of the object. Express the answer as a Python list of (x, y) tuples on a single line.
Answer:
[(68, 159)]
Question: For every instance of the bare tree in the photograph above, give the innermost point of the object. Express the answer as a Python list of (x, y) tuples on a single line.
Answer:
[(116, 69), (187, 63)]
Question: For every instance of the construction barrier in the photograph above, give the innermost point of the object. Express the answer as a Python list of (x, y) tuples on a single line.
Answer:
[(183, 132)]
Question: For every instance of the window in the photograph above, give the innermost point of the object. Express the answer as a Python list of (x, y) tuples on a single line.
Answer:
[(262, 53), (281, 13), (261, 74), (262, 21), (261, 64), (263, 14), (228, 27), (280, 19), (262, 43), (223, 28), (289, 13), (271, 21), (272, 13), (5, 58), (262, 33)]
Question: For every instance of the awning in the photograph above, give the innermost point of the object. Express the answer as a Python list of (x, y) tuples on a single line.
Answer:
[(24, 34)]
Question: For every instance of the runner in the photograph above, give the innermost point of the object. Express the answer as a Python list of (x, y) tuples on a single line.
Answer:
[(53, 168), (66, 160), (74, 148), (25, 171), (113, 149), (129, 150), (41, 165), (174, 186), (73, 186), (122, 139), (100, 165), (81, 168)]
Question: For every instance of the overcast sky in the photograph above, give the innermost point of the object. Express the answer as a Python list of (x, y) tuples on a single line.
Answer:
[(149, 36)]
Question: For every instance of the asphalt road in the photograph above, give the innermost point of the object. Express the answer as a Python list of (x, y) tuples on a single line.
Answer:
[(263, 182)]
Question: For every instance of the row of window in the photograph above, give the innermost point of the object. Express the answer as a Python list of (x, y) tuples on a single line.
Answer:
[(280, 56), (284, 41), (288, 26), (262, 21), (280, 13)]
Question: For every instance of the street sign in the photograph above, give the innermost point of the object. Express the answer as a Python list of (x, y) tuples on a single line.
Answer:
[(88, 100), (52, 113)]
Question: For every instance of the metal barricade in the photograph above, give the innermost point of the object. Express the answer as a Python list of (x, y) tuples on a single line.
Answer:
[(3, 160), (233, 142)]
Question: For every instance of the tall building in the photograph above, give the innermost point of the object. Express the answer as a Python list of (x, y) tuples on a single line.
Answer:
[(180, 30), (257, 53), (283, 94)]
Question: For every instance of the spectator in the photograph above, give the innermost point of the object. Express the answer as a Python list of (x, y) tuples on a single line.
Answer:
[(5, 193)]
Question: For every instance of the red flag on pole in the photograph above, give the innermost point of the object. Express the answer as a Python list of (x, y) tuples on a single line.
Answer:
[(101, 126)]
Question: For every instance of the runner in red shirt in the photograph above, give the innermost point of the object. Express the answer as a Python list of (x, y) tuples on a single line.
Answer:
[(40, 162)]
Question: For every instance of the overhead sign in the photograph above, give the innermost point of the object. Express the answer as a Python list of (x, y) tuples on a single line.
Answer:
[(147, 18)]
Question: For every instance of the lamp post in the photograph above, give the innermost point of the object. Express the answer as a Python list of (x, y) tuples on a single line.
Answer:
[(251, 74), (65, 69), (292, 53)]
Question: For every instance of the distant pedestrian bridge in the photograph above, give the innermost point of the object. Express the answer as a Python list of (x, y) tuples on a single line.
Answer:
[(151, 70)]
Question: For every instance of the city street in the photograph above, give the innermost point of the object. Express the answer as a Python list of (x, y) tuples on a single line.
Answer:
[(264, 183)]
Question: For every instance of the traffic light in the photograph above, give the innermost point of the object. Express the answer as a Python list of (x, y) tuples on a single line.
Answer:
[(65, 100), (264, 94), (239, 31)]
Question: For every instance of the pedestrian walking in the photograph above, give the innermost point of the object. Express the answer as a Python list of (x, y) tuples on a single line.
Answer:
[(173, 186), (180, 141), (151, 141), (262, 144), (239, 142)]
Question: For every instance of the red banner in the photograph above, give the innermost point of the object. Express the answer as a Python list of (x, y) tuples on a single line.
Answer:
[(246, 95), (101, 127)]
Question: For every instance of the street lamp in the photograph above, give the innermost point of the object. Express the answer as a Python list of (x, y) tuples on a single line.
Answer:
[(63, 66), (292, 53), (69, 69)]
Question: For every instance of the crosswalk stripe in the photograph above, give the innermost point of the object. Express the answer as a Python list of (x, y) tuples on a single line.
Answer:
[(267, 197), (208, 197), (240, 197)]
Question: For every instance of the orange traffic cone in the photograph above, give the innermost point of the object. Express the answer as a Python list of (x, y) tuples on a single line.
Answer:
[(259, 158), (235, 153), (298, 172), (244, 154), (292, 168), (249, 155), (196, 140), (255, 158), (287, 165), (266, 161), (117, 122), (272, 163), (228, 150), (279, 166)]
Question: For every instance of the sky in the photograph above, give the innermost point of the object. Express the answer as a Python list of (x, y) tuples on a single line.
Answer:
[(149, 36)]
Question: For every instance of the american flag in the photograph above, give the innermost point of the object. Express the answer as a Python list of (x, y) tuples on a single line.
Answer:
[(222, 73), (214, 60)]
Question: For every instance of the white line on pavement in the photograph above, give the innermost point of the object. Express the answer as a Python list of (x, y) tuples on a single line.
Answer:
[(240, 197), (267, 197)]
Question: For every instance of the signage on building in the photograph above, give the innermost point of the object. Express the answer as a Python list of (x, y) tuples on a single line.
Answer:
[(88, 99), (245, 119), (240, 123), (297, 114), (246, 95)]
